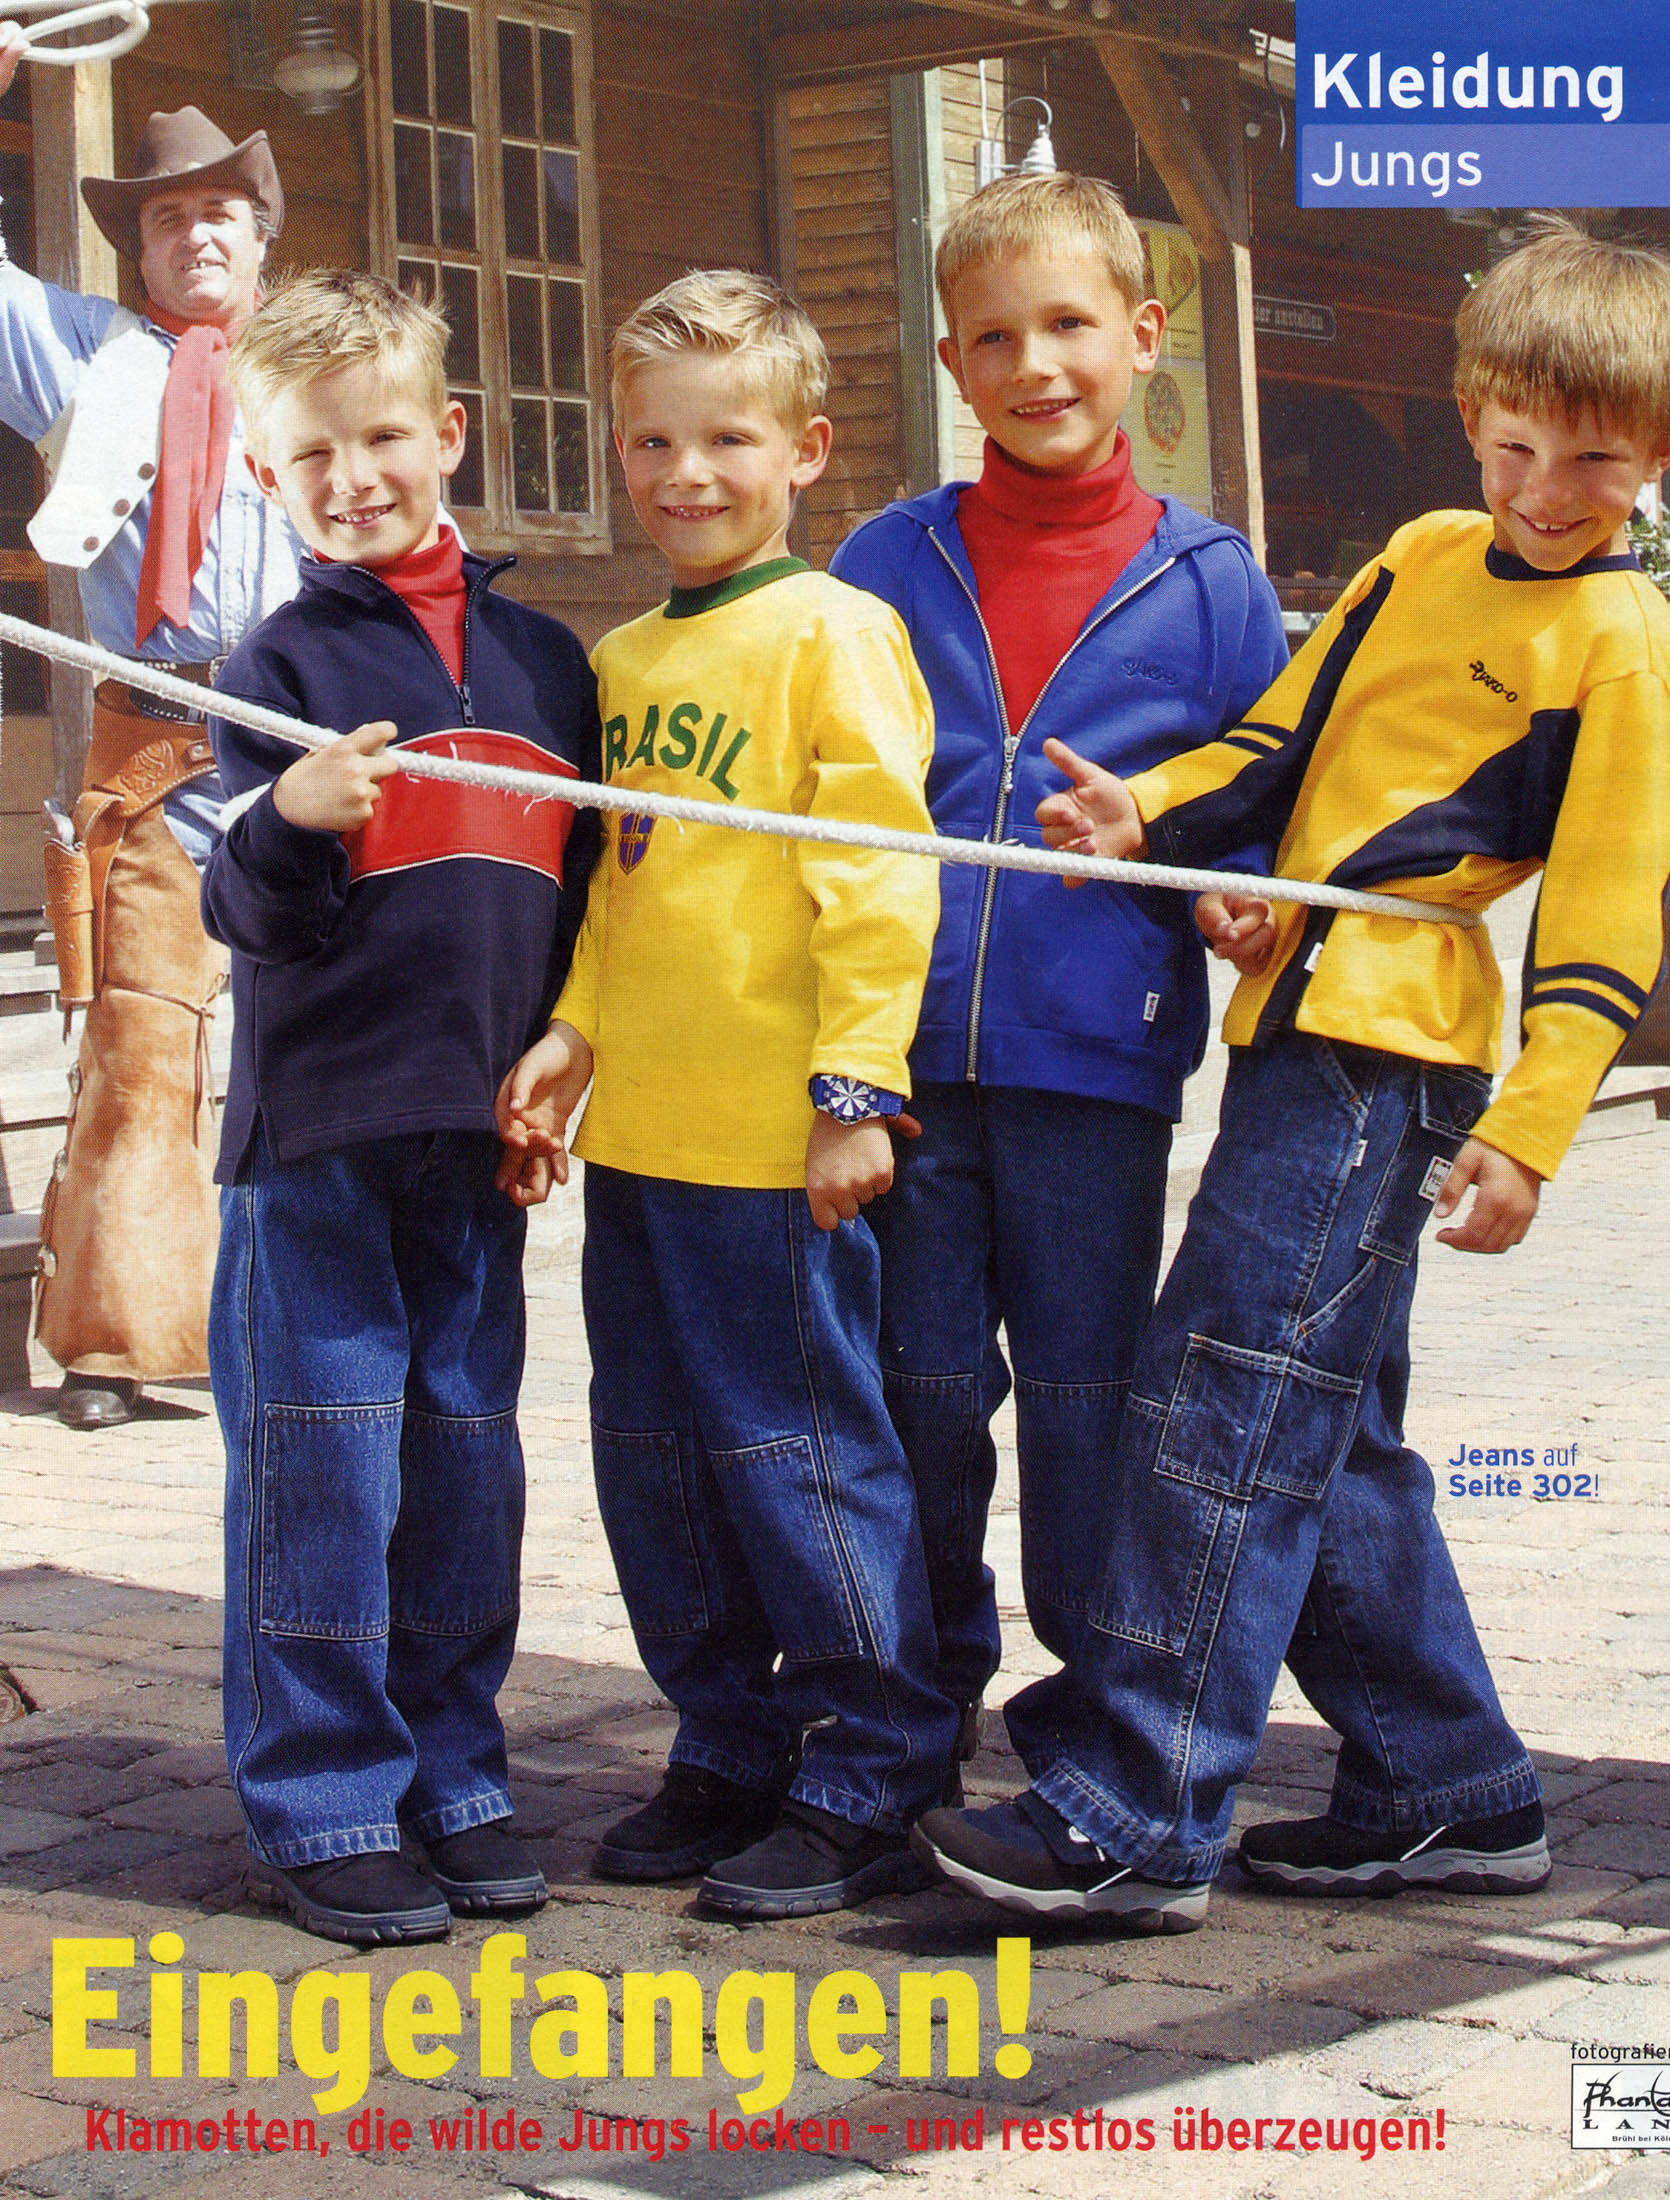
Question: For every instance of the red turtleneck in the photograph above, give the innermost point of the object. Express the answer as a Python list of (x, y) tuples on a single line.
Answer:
[(431, 585), (1045, 551)]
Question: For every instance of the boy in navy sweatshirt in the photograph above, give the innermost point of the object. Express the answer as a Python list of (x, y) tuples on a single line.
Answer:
[(1050, 598), (396, 943)]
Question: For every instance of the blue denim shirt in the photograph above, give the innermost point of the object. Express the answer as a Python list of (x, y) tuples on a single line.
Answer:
[(47, 335)]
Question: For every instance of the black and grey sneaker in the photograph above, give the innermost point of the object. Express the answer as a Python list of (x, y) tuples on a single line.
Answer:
[(812, 1861), (1024, 1856), (370, 1901), (694, 1819), (1502, 1855), (487, 1871)]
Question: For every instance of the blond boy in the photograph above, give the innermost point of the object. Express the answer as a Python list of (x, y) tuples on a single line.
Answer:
[(394, 950), (1490, 697), (748, 1006), (1051, 598)]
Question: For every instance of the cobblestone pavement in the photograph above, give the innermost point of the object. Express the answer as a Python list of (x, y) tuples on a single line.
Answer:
[(116, 1824)]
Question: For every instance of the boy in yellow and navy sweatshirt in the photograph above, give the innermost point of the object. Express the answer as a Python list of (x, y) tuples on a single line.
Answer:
[(1490, 697), (749, 1003)]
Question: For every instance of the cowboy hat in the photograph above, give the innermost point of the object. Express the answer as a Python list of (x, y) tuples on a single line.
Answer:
[(184, 149)]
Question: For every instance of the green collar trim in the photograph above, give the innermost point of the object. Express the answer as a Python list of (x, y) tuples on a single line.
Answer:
[(690, 603)]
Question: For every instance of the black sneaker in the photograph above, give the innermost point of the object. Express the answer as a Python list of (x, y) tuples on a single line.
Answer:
[(1025, 1856), (1502, 1855), (812, 1861), (486, 1871), (370, 1900), (695, 1819)]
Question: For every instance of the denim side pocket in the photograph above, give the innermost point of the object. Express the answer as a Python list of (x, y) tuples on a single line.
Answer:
[(797, 1565), (1451, 1102), (645, 1504), (329, 1486)]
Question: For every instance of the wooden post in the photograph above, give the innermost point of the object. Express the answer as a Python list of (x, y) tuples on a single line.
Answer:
[(74, 131), (1201, 164)]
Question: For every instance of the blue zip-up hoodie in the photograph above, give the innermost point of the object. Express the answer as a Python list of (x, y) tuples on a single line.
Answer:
[(1100, 991), (398, 1001)]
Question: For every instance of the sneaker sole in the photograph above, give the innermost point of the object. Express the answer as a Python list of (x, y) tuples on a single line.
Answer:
[(1145, 1909), (375, 1929), (1470, 1871), (899, 1874), (646, 1867), (493, 1897)]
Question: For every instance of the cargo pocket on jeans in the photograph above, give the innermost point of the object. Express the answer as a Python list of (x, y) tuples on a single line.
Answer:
[(1239, 1422), (801, 1578), (327, 1512), (645, 1504)]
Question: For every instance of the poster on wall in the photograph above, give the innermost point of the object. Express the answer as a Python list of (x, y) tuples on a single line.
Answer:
[(1171, 451)]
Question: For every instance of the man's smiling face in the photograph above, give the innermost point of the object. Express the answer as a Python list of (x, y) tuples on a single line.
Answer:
[(200, 255)]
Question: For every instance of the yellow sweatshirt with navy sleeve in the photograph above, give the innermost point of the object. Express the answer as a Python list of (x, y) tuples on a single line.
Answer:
[(718, 972), (1458, 721)]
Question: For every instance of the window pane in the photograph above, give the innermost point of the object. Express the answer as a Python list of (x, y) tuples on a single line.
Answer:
[(569, 442), (414, 200), (527, 352), (556, 78), (516, 106), (417, 279), (529, 455), (458, 296), (455, 168), (562, 207), (568, 337), (452, 67), (521, 202), (468, 482), (409, 37)]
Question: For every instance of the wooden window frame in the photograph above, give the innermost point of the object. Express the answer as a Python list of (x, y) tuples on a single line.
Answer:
[(497, 526)]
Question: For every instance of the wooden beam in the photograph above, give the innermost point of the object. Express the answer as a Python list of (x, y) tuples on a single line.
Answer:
[(929, 38), (1167, 28), (1171, 141), (1227, 309)]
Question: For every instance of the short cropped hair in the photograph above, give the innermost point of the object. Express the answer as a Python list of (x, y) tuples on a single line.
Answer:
[(1570, 323), (1054, 213), (320, 320), (729, 313)]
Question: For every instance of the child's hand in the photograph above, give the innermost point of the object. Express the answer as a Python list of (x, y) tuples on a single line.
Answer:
[(847, 1165), (526, 1178), (1095, 816), (533, 1107), (1505, 1195), (1239, 929), (335, 790)]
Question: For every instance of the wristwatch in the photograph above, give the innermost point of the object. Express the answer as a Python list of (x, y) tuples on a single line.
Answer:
[(850, 1100)]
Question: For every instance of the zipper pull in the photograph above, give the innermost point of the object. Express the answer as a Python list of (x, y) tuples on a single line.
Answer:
[(1011, 742)]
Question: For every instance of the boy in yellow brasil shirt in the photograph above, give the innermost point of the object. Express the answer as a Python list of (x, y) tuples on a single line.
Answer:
[(746, 1005)]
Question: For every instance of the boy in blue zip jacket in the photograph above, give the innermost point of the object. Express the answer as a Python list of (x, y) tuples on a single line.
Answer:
[(1050, 598), (397, 943)]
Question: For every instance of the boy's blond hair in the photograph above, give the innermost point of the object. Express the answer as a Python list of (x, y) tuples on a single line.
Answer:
[(1056, 213), (1570, 323), (729, 313), (323, 319)]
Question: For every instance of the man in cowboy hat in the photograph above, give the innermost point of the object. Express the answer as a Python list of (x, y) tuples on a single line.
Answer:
[(178, 554)]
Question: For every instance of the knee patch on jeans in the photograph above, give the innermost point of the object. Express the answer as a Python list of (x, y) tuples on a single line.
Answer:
[(788, 1528), (646, 1500), (454, 1561), (329, 1481)]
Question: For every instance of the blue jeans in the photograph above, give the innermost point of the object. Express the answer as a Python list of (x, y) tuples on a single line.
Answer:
[(754, 1494), (1044, 1212), (1266, 1503), (365, 1343)]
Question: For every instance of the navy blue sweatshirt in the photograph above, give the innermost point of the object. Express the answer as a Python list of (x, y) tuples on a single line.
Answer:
[(386, 981)]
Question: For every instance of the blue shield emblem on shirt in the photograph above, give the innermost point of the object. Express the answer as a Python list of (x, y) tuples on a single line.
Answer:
[(632, 845)]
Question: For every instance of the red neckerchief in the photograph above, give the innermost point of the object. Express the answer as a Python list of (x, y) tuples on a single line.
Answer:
[(191, 470)]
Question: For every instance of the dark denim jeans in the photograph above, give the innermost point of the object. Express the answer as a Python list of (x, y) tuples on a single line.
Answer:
[(1042, 1212), (366, 1349), (1266, 1503), (754, 1494)]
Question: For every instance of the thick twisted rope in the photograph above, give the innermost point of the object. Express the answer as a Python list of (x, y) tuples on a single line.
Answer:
[(541, 787)]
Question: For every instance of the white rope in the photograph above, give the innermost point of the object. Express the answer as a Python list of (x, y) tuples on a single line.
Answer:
[(542, 787)]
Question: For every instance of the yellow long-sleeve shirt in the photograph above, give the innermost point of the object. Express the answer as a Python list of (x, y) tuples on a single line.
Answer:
[(1456, 722), (717, 972)]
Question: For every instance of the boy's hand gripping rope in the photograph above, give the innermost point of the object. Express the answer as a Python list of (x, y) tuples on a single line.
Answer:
[(538, 787)]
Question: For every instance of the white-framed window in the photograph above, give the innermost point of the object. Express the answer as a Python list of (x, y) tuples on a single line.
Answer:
[(484, 196)]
